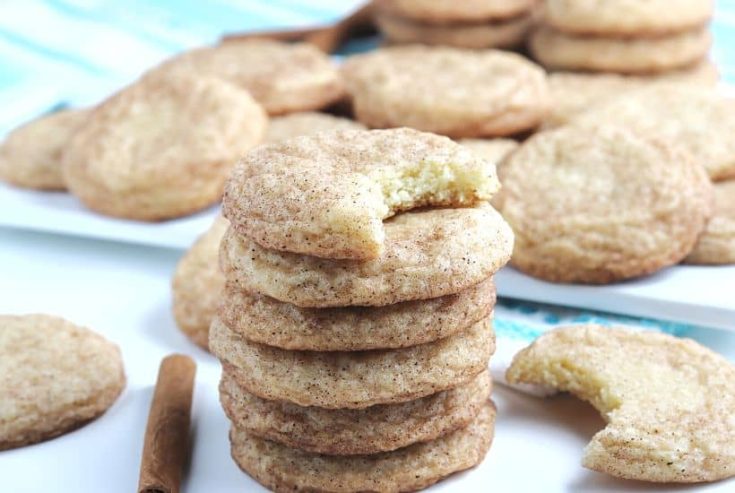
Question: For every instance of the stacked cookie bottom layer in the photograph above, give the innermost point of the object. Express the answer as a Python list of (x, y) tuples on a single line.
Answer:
[(353, 398)]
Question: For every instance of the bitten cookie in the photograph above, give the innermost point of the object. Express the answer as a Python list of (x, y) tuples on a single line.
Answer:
[(162, 147), (283, 77), (54, 377), (599, 204), (428, 254), (448, 91), (287, 127), (557, 50), (627, 17), (198, 285), (284, 469), (328, 194), (354, 380), (668, 402), (371, 430), (267, 321), (496, 151), (697, 119), (30, 156), (717, 244)]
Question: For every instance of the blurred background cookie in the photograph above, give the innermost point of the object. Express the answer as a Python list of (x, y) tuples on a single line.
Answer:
[(448, 91), (716, 245), (30, 156), (598, 204), (54, 377), (198, 284), (296, 124), (282, 77), (162, 147)]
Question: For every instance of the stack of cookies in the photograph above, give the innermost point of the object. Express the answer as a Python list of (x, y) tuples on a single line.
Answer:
[(356, 323), (623, 36), (467, 24)]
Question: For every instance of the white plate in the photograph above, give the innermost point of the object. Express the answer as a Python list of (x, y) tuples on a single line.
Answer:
[(690, 294), (59, 212), (123, 291)]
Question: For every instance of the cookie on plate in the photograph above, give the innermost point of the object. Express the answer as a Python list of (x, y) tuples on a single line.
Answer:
[(198, 285), (354, 380), (449, 11), (286, 127), (267, 321), (668, 402), (448, 91), (507, 33), (561, 51), (621, 18), (30, 156), (717, 244), (698, 119), (412, 468), (283, 77), (54, 377), (428, 253), (327, 194), (162, 147), (574, 93), (599, 204), (371, 430)]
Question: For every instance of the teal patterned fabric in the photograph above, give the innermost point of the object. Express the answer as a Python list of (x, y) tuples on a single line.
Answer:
[(56, 53)]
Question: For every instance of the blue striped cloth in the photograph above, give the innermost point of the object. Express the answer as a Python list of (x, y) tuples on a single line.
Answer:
[(75, 52)]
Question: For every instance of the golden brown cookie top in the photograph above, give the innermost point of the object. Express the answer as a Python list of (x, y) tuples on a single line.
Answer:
[(283, 77), (53, 375), (698, 119), (328, 194), (668, 402), (596, 204), (628, 17), (450, 91)]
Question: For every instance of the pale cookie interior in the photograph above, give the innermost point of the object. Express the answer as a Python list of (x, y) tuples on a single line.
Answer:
[(669, 402)]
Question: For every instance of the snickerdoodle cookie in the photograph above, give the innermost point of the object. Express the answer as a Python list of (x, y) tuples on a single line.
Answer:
[(198, 284), (448, 91), (558, 50), (717, 243), (428, 253), (573, 93), (354, 380), (599, 204), (507, 33), (327, 194), (698, 119), (309, 122), (450, 11), (30, 156), (162, 147), (54, 377), (412, 468), (267, 321), (371, 430), (283, 77), (627, 17), (669, 403)]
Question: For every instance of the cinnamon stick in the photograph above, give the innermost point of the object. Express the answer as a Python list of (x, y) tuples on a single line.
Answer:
[(166, 446)]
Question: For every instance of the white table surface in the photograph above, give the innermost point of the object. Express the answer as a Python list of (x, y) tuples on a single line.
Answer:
[(123, 292)]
